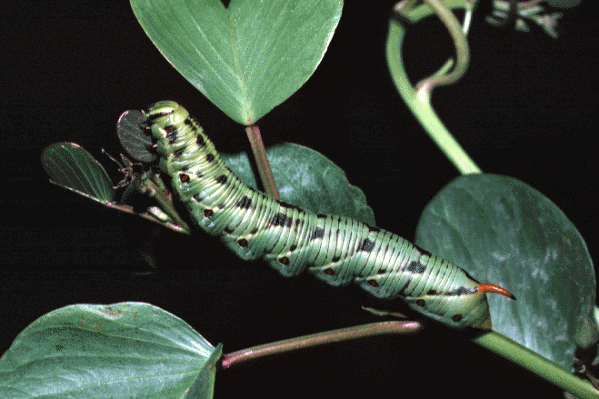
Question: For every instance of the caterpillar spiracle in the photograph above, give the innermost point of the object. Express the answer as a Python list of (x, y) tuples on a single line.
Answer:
[(336, 249)]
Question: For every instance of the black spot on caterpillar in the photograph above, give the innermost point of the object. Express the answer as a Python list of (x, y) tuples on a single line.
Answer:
[(335, 249)]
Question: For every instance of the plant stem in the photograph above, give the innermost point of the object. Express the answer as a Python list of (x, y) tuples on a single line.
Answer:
[(165, 201), (539, 365), (327, 337), (129, 209), (162, 198), (425, 87), (268, 180), (419, 103)]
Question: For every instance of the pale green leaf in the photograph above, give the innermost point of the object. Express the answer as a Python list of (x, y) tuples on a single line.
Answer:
[(246, 58), (72, 167)]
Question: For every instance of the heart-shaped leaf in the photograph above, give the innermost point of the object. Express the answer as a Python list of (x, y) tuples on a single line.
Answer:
[(246, 58), (505, 232), (123, 350)]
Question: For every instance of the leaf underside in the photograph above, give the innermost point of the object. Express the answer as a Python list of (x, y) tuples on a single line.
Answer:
[(72, 167)]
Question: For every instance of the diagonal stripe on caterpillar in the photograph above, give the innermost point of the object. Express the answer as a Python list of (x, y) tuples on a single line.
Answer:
[(335, 249)]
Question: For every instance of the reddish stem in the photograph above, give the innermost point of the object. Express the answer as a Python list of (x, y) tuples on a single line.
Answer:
[(327, 337), (268, 181)]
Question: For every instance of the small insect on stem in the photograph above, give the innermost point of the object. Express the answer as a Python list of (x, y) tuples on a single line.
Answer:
[(495, 289), (125, 168)]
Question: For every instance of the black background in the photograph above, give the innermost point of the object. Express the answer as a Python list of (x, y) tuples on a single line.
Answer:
[(526, 108)]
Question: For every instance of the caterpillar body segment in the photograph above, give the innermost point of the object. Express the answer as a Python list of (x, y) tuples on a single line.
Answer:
[(335, 249)]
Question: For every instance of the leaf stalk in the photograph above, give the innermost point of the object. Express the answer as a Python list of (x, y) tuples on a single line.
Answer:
[(312, 340), (264, 170)]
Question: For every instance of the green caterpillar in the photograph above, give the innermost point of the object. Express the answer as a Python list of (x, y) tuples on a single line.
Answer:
[(335, 249)]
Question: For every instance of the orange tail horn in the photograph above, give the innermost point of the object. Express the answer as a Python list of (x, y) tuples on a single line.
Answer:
[(484, 288)]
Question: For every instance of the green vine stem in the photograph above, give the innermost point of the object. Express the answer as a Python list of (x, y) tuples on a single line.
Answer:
[(268, 180), (419, 101), (129, 209), (539, 365), (425, 87), (152, 190), (312, 340), (164, 199)]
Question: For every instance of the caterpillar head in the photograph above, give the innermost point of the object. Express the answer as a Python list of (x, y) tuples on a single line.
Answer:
[(165, 113)]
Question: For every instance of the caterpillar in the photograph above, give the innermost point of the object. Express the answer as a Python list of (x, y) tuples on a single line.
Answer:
[(335, 249)]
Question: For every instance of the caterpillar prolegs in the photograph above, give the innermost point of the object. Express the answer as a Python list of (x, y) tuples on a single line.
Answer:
[(335, 249)]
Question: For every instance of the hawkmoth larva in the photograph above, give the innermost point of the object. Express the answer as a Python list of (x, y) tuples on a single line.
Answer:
[(336, 249)]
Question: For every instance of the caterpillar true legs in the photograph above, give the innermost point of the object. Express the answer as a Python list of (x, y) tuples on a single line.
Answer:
[(336, 249)]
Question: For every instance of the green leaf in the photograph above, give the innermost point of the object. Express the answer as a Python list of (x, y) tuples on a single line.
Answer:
[(248, 58), (130, 130), (123, 350), (72, 167), (506, 233), (307, 179)]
